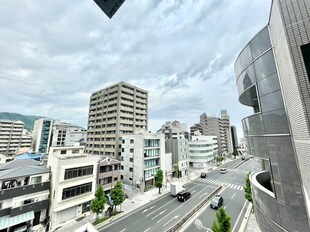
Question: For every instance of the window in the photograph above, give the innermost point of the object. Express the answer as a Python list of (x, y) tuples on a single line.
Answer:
[(1, 204), (76, 190), (131, 141), (63, 152), (130, 159), (75, 151), (115, 178), (122, 167), (36, 180), (78, 172), (131, 150), (130, 169), (305, 49)]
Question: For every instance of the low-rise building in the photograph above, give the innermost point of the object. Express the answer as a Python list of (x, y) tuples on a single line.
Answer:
[(74, 177), (109, 173), (24, 194), (143, 154), (202, 149)]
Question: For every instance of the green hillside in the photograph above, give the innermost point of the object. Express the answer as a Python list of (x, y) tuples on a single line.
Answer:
[(27, 119)]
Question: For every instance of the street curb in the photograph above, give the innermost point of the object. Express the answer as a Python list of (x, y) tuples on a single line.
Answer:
[(128, 213), (246, 218)]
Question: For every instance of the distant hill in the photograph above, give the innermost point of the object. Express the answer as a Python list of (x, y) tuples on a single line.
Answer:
[(27, 119)]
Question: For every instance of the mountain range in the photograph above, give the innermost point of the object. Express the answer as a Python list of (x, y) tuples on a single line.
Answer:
[(27, 119)]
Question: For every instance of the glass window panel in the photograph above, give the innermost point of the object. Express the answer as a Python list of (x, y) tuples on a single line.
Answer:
[(265, 65), (260, 43), (268, 84), (275, 122), (272, 101), (246, 57)]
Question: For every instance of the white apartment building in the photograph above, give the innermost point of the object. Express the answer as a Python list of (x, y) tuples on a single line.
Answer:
[(174, 130), (74, 177), (202, 149), (113, 112), (143, 154), (10, 137), (67, 134)]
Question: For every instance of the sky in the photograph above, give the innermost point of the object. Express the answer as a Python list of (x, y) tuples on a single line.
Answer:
[(55, 53)]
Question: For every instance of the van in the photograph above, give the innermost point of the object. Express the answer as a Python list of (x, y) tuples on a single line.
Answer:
[(183, 196)]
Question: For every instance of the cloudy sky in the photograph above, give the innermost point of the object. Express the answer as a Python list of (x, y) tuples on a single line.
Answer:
[(55, 53)]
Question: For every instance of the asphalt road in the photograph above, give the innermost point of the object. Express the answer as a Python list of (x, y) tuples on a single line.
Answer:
[(164, 212), (235, 203)]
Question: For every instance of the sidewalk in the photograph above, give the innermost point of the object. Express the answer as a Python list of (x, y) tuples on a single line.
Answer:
[(252, 225)]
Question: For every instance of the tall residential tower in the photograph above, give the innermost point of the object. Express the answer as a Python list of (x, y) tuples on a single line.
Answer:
[(114, 111)]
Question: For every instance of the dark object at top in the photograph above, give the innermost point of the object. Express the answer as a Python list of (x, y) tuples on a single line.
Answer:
[(109, 7), (203, 175)]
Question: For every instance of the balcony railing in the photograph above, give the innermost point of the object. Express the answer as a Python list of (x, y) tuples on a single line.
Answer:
[(262, 180)]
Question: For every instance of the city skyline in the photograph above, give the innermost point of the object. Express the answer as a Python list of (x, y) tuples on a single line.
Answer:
[(182, 53)]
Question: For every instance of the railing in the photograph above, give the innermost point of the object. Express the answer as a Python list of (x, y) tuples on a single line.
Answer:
[(184, 219)]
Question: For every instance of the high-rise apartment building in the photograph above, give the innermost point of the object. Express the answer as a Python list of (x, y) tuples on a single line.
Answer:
[(174, 130), (10, 137), (42, 135), (273, 73), (219, 127), (195, 127), (114, 111), (234, 137)]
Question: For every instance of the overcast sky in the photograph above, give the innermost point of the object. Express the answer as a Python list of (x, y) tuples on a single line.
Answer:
[(55, 53)]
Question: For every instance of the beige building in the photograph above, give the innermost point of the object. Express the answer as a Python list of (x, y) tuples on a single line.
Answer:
[(109, 172), (115, 111), (73, 183), (10, 137)]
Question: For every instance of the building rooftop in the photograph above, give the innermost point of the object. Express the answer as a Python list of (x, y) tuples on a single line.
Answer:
[(23, 171), (19, 163)]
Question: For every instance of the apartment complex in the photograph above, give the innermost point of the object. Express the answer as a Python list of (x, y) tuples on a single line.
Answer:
[(143, 154), (273, 73), (202, 149), (67, 134), (234, 137), (174, 130), (10, 137), (115, 111), (225, 133), (24, 190), (74, 181), (195, 127), (42, 135)]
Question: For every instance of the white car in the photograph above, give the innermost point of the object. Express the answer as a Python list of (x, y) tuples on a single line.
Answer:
[(223, 170)]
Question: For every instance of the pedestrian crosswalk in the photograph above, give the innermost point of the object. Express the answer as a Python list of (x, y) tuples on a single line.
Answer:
[(237, 170), (215, 182)]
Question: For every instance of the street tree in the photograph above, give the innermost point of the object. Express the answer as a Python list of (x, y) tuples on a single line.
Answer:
[(247, 188), (97, 205), (117, 194), (177, 170), (223, 222), (159, 179)]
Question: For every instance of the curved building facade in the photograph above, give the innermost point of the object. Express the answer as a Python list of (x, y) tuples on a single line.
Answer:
[(272, 78)]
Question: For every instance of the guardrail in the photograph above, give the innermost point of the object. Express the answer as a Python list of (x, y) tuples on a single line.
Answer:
[(187, 216)]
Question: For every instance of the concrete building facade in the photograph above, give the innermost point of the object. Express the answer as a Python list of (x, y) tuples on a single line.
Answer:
[(73, 184), (115, 111), (10, 137), (202, 149), (24, 191), (273, 78), (42, 135), (143, 154), (109, 172), (174, 130), (195, 127)]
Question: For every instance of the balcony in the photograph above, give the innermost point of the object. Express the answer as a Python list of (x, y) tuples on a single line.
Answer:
[(262, 181), (36, 206), (23, 190)]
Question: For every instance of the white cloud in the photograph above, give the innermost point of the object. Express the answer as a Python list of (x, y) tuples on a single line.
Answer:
[(55, 54)]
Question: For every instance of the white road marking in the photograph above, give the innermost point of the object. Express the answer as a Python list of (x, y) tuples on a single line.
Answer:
[(123, 230), (233, 196), (147, 229), (148, 209), (159, 214), (175, 217), (239, 216), (202, 195)]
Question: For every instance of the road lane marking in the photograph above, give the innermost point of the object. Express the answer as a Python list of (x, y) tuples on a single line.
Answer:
[(159, 214), (239, 216), (147, 229), (225, 207), (123, 230), (202, 195), (148, 209), (175, 217), (233, 196), (177, 208)]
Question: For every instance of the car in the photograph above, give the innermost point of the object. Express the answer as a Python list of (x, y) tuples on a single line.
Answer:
[(243, 158), (183, 196), (203, 175), (217, 202), (223, 170)]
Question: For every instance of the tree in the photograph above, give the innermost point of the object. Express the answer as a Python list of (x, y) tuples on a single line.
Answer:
[(235, 153), (117, 194), (218, 159), (223, 222), (247, 188), (177, 170), (97, 205), (159, 179)]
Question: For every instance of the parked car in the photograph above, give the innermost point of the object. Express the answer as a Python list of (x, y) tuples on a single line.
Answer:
[(203, 175), (183, 196), (223, 170), (217, 202)]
